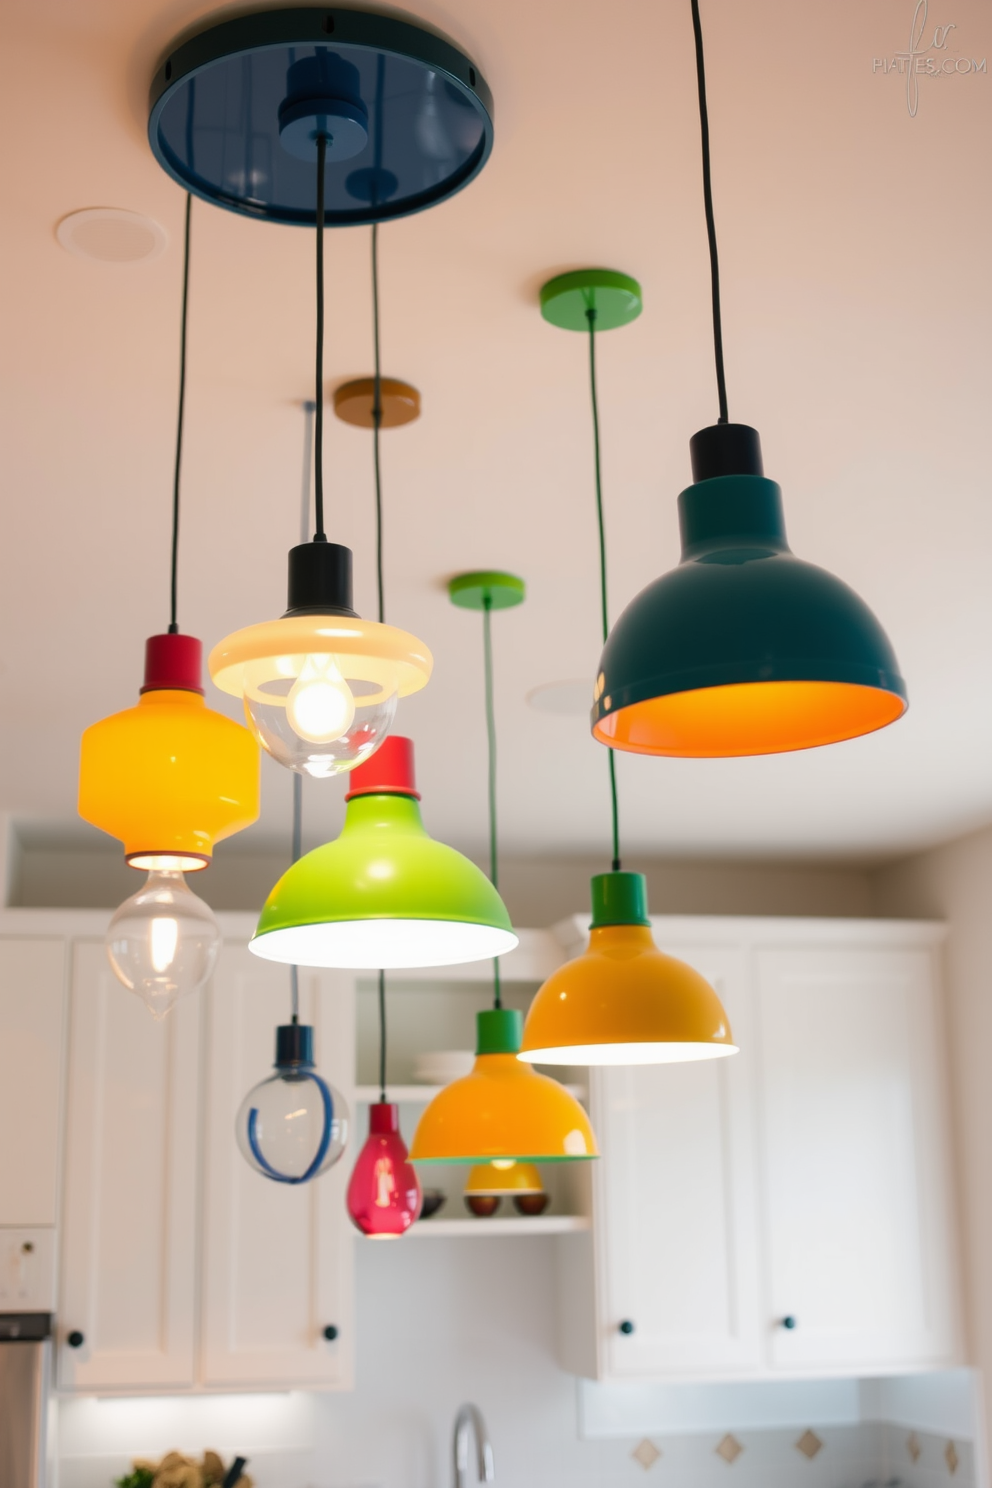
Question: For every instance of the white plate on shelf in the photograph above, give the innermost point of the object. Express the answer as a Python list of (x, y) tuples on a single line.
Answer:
[(442, 1066)]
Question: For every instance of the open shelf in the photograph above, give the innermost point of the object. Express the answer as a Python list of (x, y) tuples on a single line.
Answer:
[(540, 1224), (419, 1095)]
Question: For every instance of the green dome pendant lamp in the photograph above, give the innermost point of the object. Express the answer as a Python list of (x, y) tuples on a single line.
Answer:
[(744, 648), (623, 1001), (383, 895)]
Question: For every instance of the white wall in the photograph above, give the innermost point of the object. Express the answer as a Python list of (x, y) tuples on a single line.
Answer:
[(954, 883)]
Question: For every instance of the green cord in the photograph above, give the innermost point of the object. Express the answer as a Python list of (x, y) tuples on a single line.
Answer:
[(487, 645), (591, 317)]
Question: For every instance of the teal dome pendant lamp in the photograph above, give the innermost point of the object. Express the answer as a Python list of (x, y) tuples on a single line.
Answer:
[(743, 648), (383, 895)]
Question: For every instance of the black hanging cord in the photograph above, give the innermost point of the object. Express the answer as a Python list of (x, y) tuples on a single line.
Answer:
[(487, 649), (309, 410), (377, 419), (704, 134), (174, 576), (376, 425), (294, 971), (318, 481), (604, 608), (382, 1035)]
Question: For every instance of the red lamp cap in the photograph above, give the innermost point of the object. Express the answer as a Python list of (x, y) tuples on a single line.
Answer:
[(384, 1118), (388, 772), (173, 662)]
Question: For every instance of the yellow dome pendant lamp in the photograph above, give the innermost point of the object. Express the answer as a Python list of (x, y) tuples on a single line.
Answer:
[(504, 1177), (169, 778), (502, 1111), (320, 685), (743, 648), (623, 1001)]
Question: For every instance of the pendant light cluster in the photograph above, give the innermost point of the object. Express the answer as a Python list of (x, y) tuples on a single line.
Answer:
[(384, 894), (743, 649), (623, 1001), (502, 1111), (293, 1126), (169, 778)]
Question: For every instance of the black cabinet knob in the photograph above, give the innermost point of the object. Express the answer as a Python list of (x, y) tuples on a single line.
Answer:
[(330, 1332), (75, 1339), (626, 1327), (789, 1322)]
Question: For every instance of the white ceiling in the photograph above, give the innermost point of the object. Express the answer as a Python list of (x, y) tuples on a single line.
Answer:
[(855, 247)]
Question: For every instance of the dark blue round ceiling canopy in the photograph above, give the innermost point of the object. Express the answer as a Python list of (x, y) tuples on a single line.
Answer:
[(235, 111)]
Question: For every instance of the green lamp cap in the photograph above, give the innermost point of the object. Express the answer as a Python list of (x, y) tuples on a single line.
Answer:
[(500, 1031), (472, 591), (567, 299), (619, 899)]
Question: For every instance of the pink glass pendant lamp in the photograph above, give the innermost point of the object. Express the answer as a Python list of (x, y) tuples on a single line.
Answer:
[(384, 1194)]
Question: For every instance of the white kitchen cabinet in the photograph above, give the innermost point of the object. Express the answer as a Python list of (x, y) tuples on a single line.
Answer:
[(676, 1188), (807, 1178), (32, 1002), (856, 1185), (129, 1240), (277, 1258)]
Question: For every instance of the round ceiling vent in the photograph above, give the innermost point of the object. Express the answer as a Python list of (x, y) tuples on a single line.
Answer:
[(111, 235)]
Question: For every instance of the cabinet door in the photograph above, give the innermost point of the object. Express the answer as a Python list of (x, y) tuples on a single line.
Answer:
[(674, 1209), (857, 1208), (277, 1258), (32, 998), (129, 1231)]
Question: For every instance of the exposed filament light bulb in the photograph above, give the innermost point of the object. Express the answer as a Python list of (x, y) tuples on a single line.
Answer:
[(320, 705), (163, 942), (164, 938)]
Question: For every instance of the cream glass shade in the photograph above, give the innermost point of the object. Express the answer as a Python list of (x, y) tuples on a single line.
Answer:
[(320, 691)]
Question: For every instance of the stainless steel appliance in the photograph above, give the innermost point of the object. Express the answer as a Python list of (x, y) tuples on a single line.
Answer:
[(25, 1371)]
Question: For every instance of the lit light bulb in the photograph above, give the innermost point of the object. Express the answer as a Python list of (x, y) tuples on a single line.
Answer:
[(320, 706), (163, 942), (293, 1126), (384, 1193)]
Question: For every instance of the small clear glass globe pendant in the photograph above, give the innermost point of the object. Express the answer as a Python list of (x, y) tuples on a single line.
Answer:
[(294, 1125), (163, 942)]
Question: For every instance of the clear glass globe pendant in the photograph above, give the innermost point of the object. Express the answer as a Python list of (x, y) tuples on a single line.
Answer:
[(320, 685), (293, 1126), (163, 942)]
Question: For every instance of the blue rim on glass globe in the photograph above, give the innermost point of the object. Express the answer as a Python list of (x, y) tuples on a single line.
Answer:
[(293, 1126)]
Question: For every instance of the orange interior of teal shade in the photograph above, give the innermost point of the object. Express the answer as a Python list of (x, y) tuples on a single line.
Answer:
[(749, 718)]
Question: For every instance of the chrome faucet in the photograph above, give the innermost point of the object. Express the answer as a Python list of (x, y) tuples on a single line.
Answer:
[(469, 1420)]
